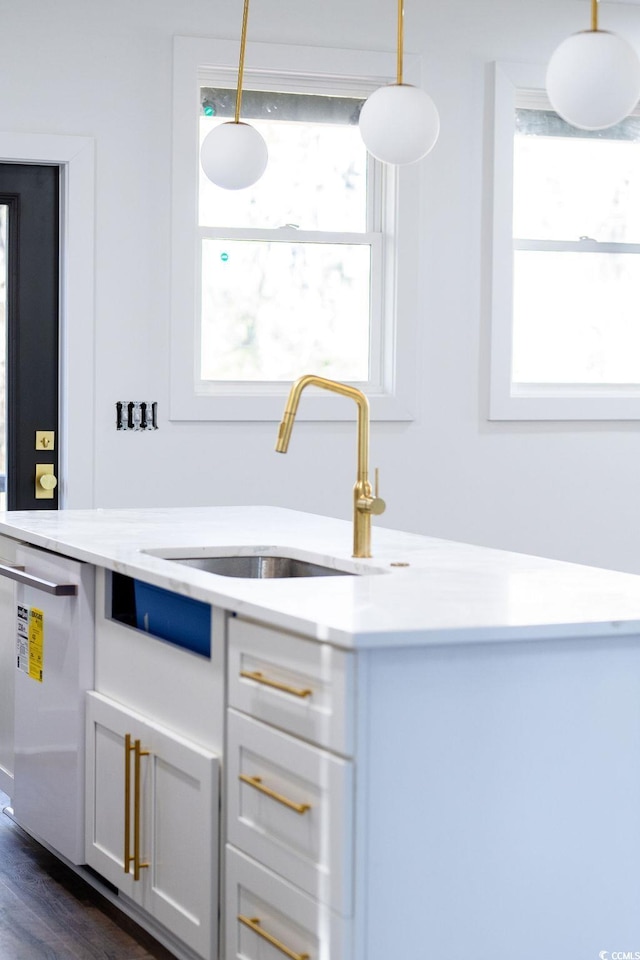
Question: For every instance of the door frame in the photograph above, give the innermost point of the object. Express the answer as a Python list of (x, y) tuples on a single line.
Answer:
[(75, 157)]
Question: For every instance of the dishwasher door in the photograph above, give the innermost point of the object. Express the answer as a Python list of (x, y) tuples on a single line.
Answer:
[(54, 669)]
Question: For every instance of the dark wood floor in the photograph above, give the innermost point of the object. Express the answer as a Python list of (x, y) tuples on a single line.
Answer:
[(49, 913)]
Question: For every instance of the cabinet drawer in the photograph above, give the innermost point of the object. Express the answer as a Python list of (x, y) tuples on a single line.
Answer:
[(298, 685), (290, 806), (291, 924)]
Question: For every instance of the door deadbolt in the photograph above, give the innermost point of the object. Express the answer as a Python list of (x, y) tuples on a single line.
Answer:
[(45, 439), (46, 482)]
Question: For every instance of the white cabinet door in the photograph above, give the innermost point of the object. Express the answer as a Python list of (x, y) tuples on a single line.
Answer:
[(182, 835), (107, 727), (175, 810)]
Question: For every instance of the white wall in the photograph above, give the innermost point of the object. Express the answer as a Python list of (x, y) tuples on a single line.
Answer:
[(104, 70)]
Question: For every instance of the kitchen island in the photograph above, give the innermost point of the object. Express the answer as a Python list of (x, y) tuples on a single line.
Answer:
[(435, 754)]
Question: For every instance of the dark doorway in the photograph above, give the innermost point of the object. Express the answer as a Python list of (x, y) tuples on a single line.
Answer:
[(29, 272)]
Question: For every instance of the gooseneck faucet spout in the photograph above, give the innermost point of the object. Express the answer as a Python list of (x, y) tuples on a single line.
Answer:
[(366, 503)]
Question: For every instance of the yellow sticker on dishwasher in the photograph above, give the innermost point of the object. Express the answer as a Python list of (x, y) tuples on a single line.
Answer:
[(36, 643)]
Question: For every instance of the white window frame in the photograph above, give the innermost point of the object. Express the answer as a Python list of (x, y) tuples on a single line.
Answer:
[(391, 389), (371, 238), (509, 401)]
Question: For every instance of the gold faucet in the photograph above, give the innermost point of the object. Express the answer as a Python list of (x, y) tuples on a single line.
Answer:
[(365, 502)]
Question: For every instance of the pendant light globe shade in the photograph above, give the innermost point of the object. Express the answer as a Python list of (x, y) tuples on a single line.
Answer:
[(234, 155), (593, 79), (399, 123)]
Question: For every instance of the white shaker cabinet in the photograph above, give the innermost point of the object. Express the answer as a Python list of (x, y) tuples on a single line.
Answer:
[(289, 795), (152, 797)]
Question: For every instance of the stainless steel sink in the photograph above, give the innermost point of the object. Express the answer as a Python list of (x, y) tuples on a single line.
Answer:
[(260, 567)]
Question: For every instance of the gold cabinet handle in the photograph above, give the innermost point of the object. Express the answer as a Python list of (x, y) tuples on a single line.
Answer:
[(257, 784), (137, 865), (265, 681), (128, 858), (254, 924)]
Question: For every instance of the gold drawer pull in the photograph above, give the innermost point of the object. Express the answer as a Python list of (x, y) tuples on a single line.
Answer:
[(254, 924), (257, 784), (128, 859), (260, 678)]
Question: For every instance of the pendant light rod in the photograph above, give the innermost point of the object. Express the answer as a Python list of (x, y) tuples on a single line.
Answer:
[(399, 122), (594, 14), (243, 44), (400, 39)]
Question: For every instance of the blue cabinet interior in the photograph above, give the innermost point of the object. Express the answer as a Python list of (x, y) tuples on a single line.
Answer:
[(162, 613)]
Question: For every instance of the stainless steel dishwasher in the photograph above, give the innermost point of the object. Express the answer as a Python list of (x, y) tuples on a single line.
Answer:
[(54, 669)]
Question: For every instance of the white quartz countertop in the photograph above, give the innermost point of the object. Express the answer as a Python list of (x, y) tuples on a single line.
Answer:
[(449, 592)]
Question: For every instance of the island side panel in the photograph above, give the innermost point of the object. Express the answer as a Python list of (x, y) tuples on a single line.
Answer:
[(8, 630), (498, 801)]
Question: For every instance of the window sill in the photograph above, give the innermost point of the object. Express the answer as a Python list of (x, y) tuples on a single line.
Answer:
[(566, 402), (269, 404)]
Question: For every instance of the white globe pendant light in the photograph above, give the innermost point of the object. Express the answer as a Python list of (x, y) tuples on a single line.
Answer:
[(593, 78), (234, 155), (399, 123)]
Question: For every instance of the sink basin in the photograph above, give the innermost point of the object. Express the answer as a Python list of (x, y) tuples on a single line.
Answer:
[(260, 567)]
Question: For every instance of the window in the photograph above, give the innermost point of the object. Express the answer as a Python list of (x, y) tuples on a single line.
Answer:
[(302, 272), (287, 265), (566, 324)]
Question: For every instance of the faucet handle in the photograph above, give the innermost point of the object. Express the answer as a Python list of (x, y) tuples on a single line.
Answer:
[(377, 504)]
